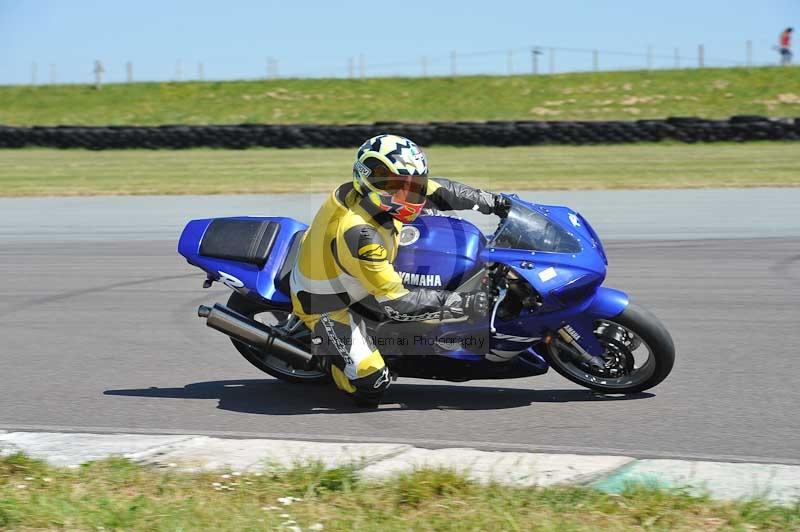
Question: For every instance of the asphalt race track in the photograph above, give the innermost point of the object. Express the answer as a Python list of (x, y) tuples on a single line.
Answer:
[(100, 334)]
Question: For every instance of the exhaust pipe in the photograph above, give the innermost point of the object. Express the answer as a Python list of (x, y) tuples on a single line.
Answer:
[(256, 335)]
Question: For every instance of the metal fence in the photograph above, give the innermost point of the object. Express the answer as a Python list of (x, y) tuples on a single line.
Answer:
[(536, 59)]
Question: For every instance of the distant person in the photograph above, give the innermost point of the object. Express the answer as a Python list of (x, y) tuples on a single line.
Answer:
[(785, 46)]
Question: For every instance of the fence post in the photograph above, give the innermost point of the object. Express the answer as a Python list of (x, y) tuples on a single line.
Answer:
[(34, 73), (178, 70), (677, 58), (98, 74), (351, 68), (535, 53), (453, 64), (595, 60), (52, 74), (749, 47), (424, 62), (129, 71), (701, 60), (552, 60), (201, 71), (361, 66), (510, 62), (649, 57)]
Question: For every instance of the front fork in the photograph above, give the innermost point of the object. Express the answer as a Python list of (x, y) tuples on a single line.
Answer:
[(576, 334), (565, 340)]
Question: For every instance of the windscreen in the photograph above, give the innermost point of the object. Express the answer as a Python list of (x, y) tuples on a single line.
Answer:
[(525, 228)]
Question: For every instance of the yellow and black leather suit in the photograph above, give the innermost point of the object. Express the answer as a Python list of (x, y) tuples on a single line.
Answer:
[(346, 258)]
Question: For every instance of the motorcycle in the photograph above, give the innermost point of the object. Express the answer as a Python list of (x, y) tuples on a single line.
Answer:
[(543, 268)]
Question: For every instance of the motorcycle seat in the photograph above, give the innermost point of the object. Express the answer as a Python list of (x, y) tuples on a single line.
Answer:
[(247, 241)]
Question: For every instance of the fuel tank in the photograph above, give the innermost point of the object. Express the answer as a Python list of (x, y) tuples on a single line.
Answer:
[(438, 251)]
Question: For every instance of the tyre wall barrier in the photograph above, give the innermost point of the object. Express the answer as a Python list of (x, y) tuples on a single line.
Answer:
[(492, 133)]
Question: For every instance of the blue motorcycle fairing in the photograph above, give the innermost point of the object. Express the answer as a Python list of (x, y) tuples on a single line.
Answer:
[(248, 279), (569, 219)]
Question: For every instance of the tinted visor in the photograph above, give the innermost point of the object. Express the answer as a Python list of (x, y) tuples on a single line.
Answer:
[(408, 188)]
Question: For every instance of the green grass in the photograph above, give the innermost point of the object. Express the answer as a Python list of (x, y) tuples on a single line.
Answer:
[(711, 93), (42, 172), (118, 494)]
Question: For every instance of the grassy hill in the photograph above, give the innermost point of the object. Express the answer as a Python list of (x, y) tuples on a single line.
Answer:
[(710, 93)]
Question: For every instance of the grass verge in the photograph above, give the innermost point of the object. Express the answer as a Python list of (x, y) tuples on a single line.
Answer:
[(44, 172), (710, 93), (118, 494)]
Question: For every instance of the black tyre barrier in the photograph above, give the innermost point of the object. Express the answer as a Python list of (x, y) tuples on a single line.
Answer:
[(494, 133)]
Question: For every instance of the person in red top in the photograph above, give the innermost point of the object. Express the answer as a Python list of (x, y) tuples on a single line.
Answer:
[(784, 46)]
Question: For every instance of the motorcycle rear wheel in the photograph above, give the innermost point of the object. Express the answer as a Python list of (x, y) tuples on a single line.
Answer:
[(627, 338), (268, 363)]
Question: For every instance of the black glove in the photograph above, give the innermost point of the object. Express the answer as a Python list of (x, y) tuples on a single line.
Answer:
[(473, 304), (476, 303), (501, 205)]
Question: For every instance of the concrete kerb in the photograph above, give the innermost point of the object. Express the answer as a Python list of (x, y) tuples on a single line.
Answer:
[(374, 460), (521, 469), (722, 480), (70, 449), (207, 453)]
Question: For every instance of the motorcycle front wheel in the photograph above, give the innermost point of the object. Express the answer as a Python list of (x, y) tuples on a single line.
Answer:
[(639, 354), (268, 363)]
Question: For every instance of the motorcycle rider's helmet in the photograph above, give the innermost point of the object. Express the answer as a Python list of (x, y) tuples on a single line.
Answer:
[(391, 172)]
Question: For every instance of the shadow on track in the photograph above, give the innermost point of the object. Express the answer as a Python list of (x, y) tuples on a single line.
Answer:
[(274, 397)]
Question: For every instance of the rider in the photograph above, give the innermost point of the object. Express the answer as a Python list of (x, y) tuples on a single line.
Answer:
[(346, 257)]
